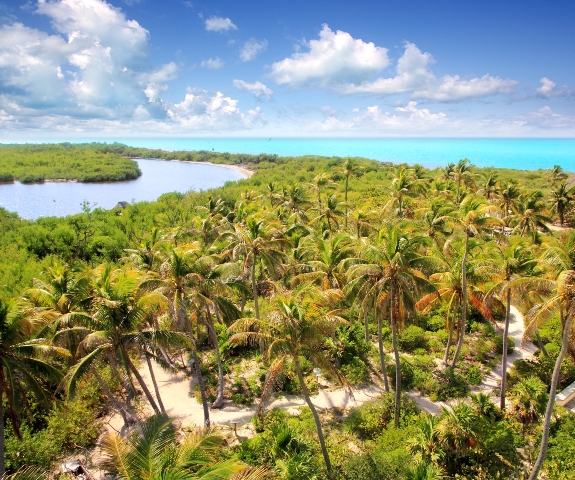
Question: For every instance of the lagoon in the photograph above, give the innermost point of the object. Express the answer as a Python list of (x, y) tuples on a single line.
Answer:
[(158, 177)]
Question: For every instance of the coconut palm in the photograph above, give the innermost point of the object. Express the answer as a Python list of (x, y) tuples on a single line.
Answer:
[(556, 175), (564, 301), (319, 182), (529, 217), (462, 174), (156, 452), (514, 263), (255, 242), (326, 262), (24, 366), (404, 185), (351, 168), (489, 186), (392, 276), (473, 218), (456, 429), (330, 212), (298, 326), (510, 195), (562, 198), (528, 400)]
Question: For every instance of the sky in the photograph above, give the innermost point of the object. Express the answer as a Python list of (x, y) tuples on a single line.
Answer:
[(405, 68)]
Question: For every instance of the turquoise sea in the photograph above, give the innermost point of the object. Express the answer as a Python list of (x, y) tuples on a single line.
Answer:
[(523, 154)]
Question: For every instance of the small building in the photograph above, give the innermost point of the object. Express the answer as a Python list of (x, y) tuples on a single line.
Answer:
[(121, 205)]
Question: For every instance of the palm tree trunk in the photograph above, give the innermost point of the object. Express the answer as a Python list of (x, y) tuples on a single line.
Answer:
[(396, 354), (449, 340), (463, 301), (153, 377), (126, 416), (551, 403), (381, 351), (219, 402), (145, 388), (201, 383), (255, 288), (504, 356), (124, 381), (314, 413)]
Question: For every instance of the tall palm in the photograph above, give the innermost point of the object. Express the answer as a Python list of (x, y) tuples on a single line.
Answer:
[(514, 262), (437, 220), (24, 366), (562, 198), (298, 326), (351, 168), (530, 218), (473, 218), (556, 175), (404, 185), (394, 277), (326, 262), (330, 212), (510, 195), (319, 182), (489, 186), (462, 174), (256, 241), (564, 301)]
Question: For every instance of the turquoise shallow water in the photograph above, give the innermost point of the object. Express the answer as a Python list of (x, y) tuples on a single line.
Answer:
[(524, 154)]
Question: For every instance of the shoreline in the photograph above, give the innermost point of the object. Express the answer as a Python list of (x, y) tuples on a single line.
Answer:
[(244, 171)]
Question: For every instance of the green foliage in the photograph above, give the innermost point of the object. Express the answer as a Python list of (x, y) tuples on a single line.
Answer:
[(412, 338), (450, 385), (499, 344), (372, 418), (560, 461), (356, 371), (83, 162)]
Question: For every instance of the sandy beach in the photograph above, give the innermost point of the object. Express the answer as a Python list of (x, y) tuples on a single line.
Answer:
[(244, 171)]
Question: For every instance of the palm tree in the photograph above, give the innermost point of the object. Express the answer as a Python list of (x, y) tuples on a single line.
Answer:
[(528, 400), (529, 218), (462, 173), (426, 442), (489, 187), (255, 241), (404, 185), (326, 263), (556, 175), (350, 168), (323, 180), (394, 279), (510, 195), (156, 453), (24, 366), (473, 218), (514, 262), (564, 300), (330, 212), (298, 326), (561, 200), (456, 430)]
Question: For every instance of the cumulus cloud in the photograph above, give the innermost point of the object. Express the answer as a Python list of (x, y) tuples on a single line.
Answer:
[(408, 119), (257, 89), (213, 63), (251, 49), (202, 109), (548, 89), (219, 24), (94, 70), (415, 77), (334, 58)]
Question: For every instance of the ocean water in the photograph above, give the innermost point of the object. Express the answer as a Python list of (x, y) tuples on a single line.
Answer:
[(522, 154)]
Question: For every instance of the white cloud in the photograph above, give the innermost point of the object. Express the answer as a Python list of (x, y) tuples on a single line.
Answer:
[(252, 48), (213, 63), (548, 90), (200, 109), (94, 73), (415, 77), (257, 89), (335, 58), (219, 24)]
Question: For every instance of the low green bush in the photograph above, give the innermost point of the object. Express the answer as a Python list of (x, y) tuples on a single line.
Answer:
[(412, 338), (356, 372), (450, 385), (499, 344)]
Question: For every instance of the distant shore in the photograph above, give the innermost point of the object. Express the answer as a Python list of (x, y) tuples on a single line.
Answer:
[(244, 171)]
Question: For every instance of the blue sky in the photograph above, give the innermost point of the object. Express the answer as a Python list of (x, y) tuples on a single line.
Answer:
[(126, 68)]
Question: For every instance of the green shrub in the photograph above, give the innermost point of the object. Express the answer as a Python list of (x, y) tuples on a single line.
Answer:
[(356, 372), (407, 373), (435, 323), (499, 344), (370, 419), (473, 375), (450, 385), (411, 338)]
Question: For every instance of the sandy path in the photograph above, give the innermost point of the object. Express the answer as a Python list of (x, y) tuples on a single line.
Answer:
[(516, 331)]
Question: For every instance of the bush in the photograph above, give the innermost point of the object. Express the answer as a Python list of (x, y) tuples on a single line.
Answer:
[(356, 372), (473, 375), (435, 323), (499, 344), (411, 338), (407, 373), (372, 418), (450, 385)]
